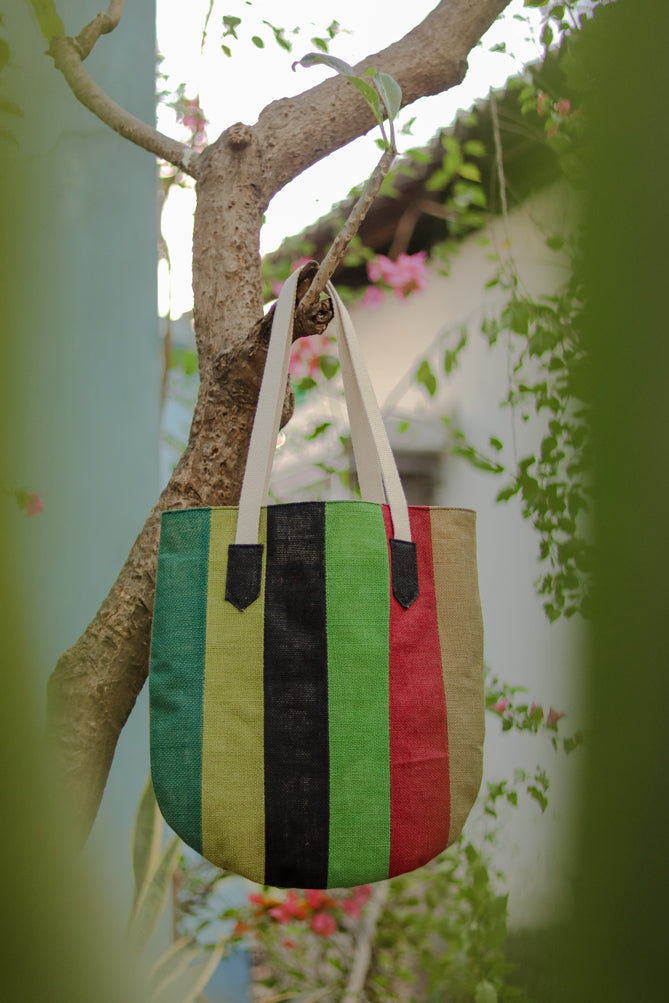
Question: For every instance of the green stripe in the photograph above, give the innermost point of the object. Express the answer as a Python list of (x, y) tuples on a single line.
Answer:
[(358, 611), (177, 670), (233, 782)]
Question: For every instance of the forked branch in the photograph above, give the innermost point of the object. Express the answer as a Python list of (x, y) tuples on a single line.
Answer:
[(68, 55), (102, 24)]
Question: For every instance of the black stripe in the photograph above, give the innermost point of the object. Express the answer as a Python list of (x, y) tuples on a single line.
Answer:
[(297, 789)]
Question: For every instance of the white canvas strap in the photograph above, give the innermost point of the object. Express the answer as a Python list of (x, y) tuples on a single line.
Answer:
[(377, 471)]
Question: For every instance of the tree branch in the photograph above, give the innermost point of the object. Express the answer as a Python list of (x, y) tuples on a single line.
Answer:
[(347, 232), (297, 132), (102, 24), (68, 59)]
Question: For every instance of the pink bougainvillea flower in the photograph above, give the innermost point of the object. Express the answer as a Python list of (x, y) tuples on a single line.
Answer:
[(501, 705), (376, 268), (405, 275), (318, 899), (31, 503), (351, 908), (323, 924), (292, 907), (241, 928), (411, 273), (554, 716), (542, 103), (372, 298), (290, 944), (255, 898), (362, 893), (552, 129), (563, 106), (306, 353)]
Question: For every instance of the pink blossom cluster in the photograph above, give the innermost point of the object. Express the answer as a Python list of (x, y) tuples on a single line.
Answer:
[(407, 274), (31, 503), (546, 106), (315, 907), (192, 116), (306, 353)]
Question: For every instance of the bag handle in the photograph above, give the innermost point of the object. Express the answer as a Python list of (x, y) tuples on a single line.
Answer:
[(377, 470)]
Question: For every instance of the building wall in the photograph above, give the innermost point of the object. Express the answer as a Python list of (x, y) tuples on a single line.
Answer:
[(84, 363)]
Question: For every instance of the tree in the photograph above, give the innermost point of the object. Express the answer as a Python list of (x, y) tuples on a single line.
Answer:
[(96, 682)]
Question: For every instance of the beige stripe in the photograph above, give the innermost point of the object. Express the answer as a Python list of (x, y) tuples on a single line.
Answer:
[(461, 642), (233, 800)]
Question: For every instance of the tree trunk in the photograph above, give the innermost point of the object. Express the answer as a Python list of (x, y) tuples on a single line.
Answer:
[(96, 682)]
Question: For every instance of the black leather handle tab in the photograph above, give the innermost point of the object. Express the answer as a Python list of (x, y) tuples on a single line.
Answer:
[(404, 571), (244, 577)]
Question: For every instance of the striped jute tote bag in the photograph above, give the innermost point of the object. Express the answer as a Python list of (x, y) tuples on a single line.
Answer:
[(316, 682)]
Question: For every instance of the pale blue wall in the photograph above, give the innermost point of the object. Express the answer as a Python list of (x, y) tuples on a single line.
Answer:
[(85, 355)]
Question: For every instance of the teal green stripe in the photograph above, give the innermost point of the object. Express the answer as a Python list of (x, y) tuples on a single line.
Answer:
[(358, 611), (177, 670)]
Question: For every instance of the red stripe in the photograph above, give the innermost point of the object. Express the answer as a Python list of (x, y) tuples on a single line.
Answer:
[(419, 777)]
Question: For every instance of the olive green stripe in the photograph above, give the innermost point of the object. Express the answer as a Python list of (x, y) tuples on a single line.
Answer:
[(177, 670), (233, 812), (358, 610)]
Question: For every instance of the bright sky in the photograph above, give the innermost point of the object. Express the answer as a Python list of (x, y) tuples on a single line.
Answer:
[(238, 88)]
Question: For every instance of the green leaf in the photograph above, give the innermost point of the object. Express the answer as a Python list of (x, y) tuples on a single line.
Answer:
[(328, 365), (184, 359), (197, 977), (279, 36), (391, 93), (536, 3), (425, 376), (547, 35), (316, 58), (474, 148), (538, 796), (320, 43), (485, 992), (318, 431), (149, 907), (173, 963), (5, 53), (470, 171), (146, 833), (517, 316), (226, 49), (47, 17), (555, 243), (257, 41), (370, 94), (496, 444), (10, 108), (477, 460), (307, 383), (6, 134)]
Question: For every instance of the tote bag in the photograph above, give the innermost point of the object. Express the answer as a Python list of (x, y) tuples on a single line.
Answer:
[(316, 678)]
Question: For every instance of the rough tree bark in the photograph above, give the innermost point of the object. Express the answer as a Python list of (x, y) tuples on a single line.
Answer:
[(96, 682)]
